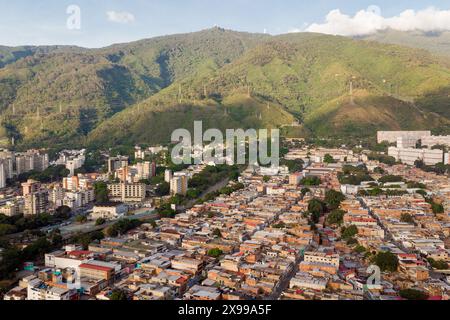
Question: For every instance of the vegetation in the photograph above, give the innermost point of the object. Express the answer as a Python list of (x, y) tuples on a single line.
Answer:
[(439, 265), (100, 222), (121, 227), (333, 199), (117, 93), (349, 232), (310, 181), (101, 192), (387, 261), (328, 159), (354, 175), (215, 253), (118, 294), (316, 208), (407, 218), (336, 217), (413, 294)]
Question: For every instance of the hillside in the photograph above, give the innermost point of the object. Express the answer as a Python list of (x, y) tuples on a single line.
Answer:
[(307, 76), (140, 92), (53, 95), (437, 42)]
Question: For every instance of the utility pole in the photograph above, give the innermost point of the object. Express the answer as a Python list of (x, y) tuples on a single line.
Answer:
[(351, 93)]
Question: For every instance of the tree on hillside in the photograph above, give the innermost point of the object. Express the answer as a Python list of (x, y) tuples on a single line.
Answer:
[(349, 232), (407, 218), (333, 199), (413, 294), (101, 192), (328, 158), (387, 261), (336, 217)]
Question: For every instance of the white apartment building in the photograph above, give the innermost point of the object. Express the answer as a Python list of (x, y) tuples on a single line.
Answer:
[(436, 140), (322, 257), (124, 192), (109, 211), (38, 290), (2, 175), (179, 185), (411, 155), (392, 136), (36, 203)]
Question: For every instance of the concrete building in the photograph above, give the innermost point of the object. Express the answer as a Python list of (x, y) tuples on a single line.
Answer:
[(12, 208), (109, 211), (36, 203), (322, 257), (39, 290), (2, 175), (118, 162), (30, 186), (435, 140), (410, 155), (392, 136), (125, 192), (179, 185), (295, 178), (168, 175)]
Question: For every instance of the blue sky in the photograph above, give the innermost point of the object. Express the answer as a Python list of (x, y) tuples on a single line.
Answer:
[(44, 22)]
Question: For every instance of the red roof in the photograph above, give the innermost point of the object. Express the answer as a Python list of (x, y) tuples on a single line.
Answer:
[(79, 253), (95, 267)]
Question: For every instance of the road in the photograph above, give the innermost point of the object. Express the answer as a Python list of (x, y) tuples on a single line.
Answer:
[(72, 229), (284, 282)]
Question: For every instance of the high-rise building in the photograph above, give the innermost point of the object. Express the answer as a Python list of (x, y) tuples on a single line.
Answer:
[(2, 175), (392, 136), (410, 156), (146, 170), (168, 175), (124, 192), (36, 203), (118, 162), (179, 185), (30, 186)]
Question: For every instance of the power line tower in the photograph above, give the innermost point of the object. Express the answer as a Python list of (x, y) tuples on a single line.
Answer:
[(352, 101), (180, 92)]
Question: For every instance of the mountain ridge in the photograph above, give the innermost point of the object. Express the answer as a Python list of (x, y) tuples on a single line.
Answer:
[(80, 95)]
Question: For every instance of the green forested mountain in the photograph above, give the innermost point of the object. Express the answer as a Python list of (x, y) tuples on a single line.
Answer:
[(436, 42), (140, 92)]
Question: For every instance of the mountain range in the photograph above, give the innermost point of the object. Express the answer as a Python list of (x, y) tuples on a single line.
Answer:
[(306, 84)]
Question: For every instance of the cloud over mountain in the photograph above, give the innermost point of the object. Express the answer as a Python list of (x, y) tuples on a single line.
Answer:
[(120, 17), (370, 21)]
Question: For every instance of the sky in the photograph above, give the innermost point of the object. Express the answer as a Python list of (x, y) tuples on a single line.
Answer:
[(98, 23)]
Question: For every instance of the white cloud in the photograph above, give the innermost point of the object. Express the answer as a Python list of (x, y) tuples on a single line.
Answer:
[(370, 21), (120, 17)]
